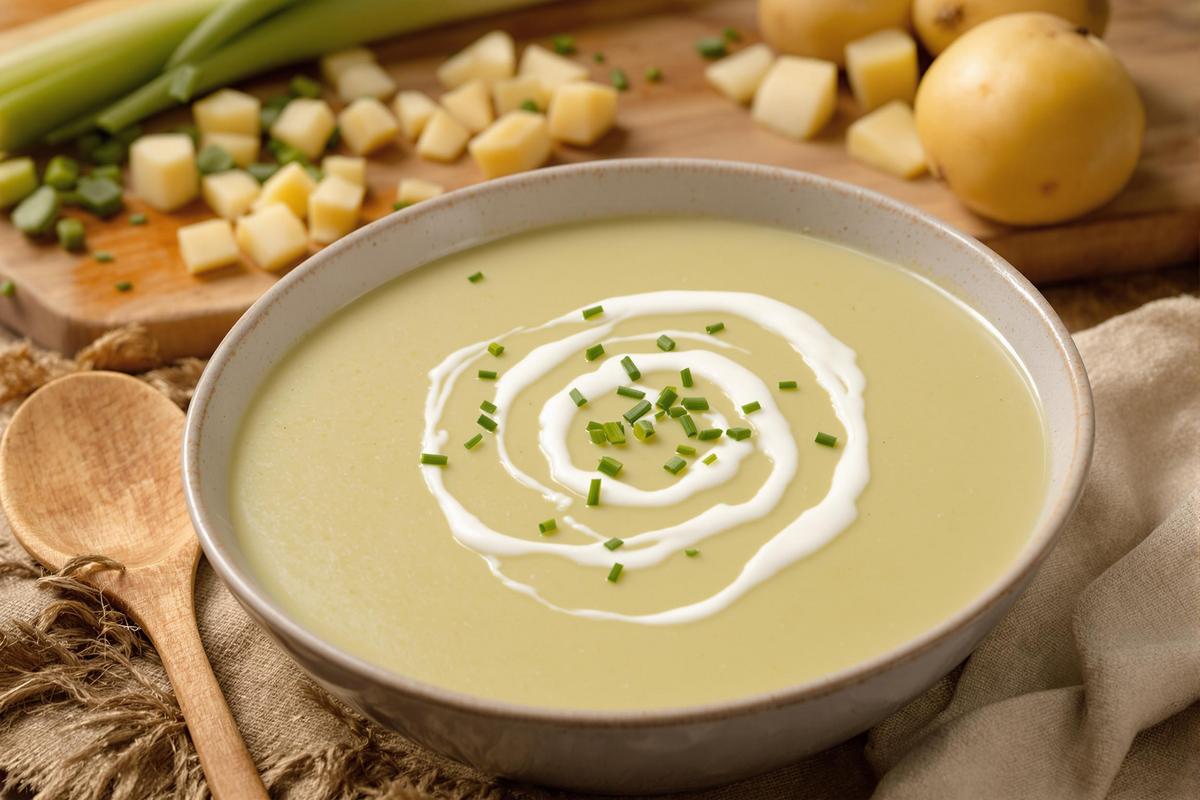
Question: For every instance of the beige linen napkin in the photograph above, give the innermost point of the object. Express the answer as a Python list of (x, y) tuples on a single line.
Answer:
[(1090, 688)]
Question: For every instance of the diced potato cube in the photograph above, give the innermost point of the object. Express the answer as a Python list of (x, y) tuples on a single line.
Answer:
[(518, 141), (273, 236), (230, 194), (511, 93), (471, 104), (413, 109), (349, 168), (444, 137), (162, 170), (207, 245), (18, 179), (581, 112), (882, 67), (488, 59), (228, 111), (553, 70), (797, 97), (306, 125), (333, 209), (244, 149), (365, 80), (738, 76), (887, 139), (291, 186), (414, 190), (367, 125), (334, 64)]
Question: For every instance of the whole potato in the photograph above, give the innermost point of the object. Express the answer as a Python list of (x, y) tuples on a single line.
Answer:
[(1030, 119), (940, 22), (822, 28)]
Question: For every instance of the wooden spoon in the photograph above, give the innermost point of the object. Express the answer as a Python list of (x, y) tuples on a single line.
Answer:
[(89, 465)]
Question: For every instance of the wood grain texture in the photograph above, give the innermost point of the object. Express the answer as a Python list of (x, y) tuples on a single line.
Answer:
[(90, 465), (64, 301)]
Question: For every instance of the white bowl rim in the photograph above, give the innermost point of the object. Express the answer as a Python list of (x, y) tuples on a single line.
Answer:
[(242, 584)]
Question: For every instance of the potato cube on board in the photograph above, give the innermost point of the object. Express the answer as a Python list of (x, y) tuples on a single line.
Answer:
[(552, 69), (882, 67), (414, 190), (207, 245), (227, 111), (510, 93), (349, 168), (471, 104), (162, 170), (738, 76), (518, 141), (273, 236), (306, 125), (333, 209), (489, 59), (291, 186), (444, 137), (334, 64), (413, 109), (581, 112), (365, 80), (367, 125), (797, 97), (887, 139), (243, 148), (230, 194)]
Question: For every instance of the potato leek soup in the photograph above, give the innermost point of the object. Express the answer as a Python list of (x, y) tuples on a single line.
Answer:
[(638, 463)]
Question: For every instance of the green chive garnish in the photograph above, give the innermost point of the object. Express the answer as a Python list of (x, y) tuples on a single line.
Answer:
[(614, 543), (731, 35), (751, 407), (643, 429), (8, 288), (488, 406), (710, 458), (588, 313), (487, 423), (598, 58), (615, 572), (674, 465), (495, 349), (665, 398), (684, 450), (400, 205), (738, 434), (787, 384), (694, 403), (609, 466), (614, 432), (629, 391), (593, 352), (137, 219), (564, 45), (676, 411), (476, 278), (593, 498), (659, 414), (548, 527), (619, 79), (595, 432), (487, 374), (637, 412), (716, 327), (711, 47), (530, 105), (654, 74), (709, 434), (103, 256), (630, 368), (474, 440), (578, 399), (665, 343), (689, 425), (826, 439), (435, 459), (691, 552), (123, 286), (685, 377)]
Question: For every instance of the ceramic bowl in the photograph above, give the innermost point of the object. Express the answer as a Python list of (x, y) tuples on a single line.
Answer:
[(660, 750)]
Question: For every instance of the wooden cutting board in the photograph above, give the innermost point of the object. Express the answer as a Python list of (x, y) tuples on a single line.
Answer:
[(64, 301)]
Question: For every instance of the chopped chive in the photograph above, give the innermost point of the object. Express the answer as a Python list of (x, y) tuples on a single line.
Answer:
[(474, 440), (487, 374), (619, 79), (588, 313), (548, 527), (691, 552), (709, 434), (826, 439), (400, 205), (654, 74), (593, 352), (674, 465), (137, 219), (637, 412), (614, 432), (305, 86), (488, 406), (711, 47), (8, 288), (665, 343), (609, 466), (530, 105), (594, 426), (787, 384), (658, 415), (751, 407), (694, 403), (685, 450), (643, 429), (614, 543), (564, 44), (665, 398), (595, 432), (710, 458), (487, 423), (676, 411), (495, 349), (70, 234), (629, 391), (685, 377), (716, 327), (435, 459), (689, 425), (476, 278), (104, 256), (123, 286), (731, 35), (598, 58), (738, 434), (578, 399), (615, 572), (593, 498), (630, 368)]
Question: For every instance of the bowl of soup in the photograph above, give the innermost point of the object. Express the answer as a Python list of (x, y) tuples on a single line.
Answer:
[(638, 476)]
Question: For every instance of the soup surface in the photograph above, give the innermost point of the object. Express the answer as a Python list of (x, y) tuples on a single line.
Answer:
[(781, 560)]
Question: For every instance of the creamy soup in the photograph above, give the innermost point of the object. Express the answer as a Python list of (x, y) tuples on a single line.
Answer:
[(639, 463)]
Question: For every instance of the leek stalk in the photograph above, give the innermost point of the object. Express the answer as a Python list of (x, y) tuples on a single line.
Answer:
[(224, 23)]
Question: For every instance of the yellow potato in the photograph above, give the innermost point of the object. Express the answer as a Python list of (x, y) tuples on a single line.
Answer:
[(940, 22), (823, 28), (1029, 120)]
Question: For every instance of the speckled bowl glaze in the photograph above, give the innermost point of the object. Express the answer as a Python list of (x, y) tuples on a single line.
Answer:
[(661, 750)]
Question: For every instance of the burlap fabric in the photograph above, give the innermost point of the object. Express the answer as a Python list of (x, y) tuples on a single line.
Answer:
[(1088, 689)]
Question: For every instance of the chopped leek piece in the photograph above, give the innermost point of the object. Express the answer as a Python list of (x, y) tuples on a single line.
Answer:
[(689, 425), (487, 423), (614, 543), (637, 412), (434, 459), (787, 384), (488, 406), (694, 403), (738, 434), (710, 458), (474, 440), (487, 374), (643, 429), (665, 343), (685, 377), (751, 407), (630, 368), (614, 432), (665, 398), (36, 214), (594, 352), (628, 391), (593, 496), (70, 234), (826, 439), (716, 327), (674, 465), (709, 434), (609, 466), (578, 399), (615, 572), (548, 527), (685, 450)]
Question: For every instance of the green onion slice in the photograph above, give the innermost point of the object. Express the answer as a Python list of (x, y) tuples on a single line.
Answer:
[(476, 278), (474, 440), (594, 352), (487, 423), (738, 434), (629, 391), (614, 432), (716, 327), (694, 403), (685, 377), (614, 543), (435, 459), (578, 399), (710, 458), (751, 407), (685, 450), (675, 465), (709, 434), (488, 406), (548, 527), (829, 440), (665, 398), (691, 552), (787, 384), (665, 343), (689, 425), (676, 411), (588, 313), (615, 572), (637, 412), (495, 349), (630, 368), (593, 498), (609, 466), (487, 374), (643, 429)]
